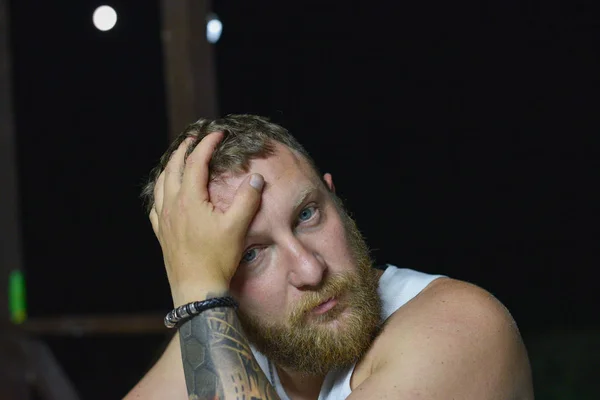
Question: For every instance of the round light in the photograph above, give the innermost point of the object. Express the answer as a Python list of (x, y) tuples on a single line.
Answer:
[(105, 18), (214, 27)]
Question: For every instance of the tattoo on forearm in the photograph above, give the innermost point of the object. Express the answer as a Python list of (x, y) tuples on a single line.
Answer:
[(217, 359)]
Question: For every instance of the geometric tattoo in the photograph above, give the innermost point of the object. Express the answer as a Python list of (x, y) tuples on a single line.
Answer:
[(217, 359)]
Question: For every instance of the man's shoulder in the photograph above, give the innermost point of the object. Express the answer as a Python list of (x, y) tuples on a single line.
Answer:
[(447, 310), (451, 330), (450, 300)]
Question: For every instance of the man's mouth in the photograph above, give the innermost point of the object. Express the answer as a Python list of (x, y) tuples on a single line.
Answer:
[(325, 306)]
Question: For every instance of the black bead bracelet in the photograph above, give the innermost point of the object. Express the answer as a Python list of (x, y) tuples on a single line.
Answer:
[(182, 313)]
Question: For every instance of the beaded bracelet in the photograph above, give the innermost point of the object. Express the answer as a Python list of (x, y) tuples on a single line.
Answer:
[(182, 313)]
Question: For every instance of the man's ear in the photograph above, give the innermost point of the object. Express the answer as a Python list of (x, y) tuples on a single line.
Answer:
[(329, 181)]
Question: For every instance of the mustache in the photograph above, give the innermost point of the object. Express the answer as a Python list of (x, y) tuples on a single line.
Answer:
[(334, 286)]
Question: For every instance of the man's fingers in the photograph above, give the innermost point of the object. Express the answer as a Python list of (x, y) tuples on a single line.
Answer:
[(172, 181), (154, 221), (195, 175), (159, 193), (246, 201)]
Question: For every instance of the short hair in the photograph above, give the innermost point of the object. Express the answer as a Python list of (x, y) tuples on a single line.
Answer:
[(246, 137)]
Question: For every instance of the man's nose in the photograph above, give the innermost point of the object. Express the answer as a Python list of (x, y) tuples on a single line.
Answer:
[(307, 267)]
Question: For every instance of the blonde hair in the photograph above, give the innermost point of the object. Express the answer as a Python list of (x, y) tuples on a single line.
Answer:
[(246, 137)]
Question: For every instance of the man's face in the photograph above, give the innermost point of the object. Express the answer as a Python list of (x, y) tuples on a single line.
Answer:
[(307, 293)]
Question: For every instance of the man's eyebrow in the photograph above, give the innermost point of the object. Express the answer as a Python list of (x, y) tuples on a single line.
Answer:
[(305, 193)]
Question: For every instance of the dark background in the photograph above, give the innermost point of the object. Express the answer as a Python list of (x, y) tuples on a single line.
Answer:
[(462, 135)]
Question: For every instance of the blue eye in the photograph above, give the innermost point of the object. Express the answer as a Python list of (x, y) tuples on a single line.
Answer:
[(306, 214), (250, 255)]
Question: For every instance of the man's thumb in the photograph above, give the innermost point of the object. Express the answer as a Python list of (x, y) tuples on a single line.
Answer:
[(257, 182), (247, 199)]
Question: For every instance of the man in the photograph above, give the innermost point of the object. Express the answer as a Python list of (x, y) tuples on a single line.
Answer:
[(240, 210)]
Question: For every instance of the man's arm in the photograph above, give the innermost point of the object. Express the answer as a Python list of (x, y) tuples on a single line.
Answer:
[(217, 363), (202, 247), (165, 380), (453, 341), (217, 359)]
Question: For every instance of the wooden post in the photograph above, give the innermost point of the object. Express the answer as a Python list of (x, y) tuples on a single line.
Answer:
[(13, 384), (188, 63)]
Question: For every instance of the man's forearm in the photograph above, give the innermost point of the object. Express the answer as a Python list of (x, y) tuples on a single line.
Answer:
[(217, 360)]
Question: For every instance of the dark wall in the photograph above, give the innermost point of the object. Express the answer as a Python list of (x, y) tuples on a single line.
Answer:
[(462, 136), (91, 123)]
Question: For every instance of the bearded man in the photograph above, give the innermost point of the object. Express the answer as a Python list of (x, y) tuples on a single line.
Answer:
[(290, 304)]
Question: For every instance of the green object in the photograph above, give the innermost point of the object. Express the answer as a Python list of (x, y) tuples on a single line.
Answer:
[(16, 297)]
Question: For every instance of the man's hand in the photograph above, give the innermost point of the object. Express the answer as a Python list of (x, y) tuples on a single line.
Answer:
[(201, 245)]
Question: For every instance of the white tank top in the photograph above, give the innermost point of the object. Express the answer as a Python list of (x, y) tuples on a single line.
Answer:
[(396, 287)]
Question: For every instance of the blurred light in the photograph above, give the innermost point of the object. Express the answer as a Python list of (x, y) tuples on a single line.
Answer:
[(105, 18), (214, 27)]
